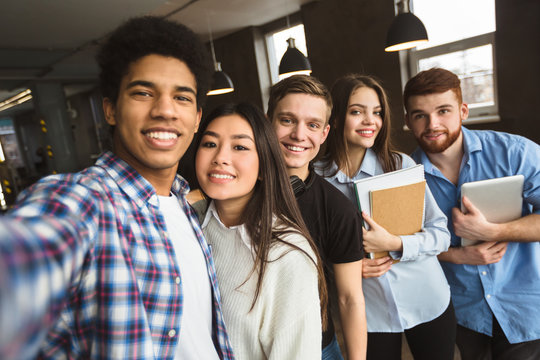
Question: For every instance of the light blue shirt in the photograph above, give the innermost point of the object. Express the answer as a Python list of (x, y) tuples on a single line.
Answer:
[(414, 290), (510, 289)]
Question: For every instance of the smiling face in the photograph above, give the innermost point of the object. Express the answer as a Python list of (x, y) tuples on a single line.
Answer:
[(301, 128), (363, 120), (435, 120), (227, 162), (155, 116)]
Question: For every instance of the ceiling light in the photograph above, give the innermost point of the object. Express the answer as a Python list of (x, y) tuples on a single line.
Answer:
[(293, 62), (221, 82), (406, 31), (16, 99)]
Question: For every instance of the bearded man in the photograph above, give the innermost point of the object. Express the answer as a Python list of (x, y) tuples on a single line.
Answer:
[(495, 284)]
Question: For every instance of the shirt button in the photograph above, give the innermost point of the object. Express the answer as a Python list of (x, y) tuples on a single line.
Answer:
[(484, 273), (488, 296), (172, 333), (177, 280)]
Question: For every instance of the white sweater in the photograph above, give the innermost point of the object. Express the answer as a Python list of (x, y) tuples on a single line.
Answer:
[(285, 322)]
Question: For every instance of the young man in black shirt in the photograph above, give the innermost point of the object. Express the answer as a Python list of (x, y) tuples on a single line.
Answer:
[(299, 108)]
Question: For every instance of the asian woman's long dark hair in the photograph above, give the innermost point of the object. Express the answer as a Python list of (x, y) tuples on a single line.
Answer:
[(272, 197)]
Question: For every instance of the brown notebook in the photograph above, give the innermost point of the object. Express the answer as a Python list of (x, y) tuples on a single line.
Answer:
[(400, 210)]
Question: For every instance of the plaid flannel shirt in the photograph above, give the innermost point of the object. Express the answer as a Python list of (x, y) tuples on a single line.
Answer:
[(87, 270)]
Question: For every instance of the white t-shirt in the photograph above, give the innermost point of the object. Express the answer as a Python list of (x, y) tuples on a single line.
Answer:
[(195, 338)]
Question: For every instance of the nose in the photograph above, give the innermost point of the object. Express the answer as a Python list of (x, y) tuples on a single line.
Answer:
[(222, 156), (369, 119), (432, 121), (163, 107), (299, 132)]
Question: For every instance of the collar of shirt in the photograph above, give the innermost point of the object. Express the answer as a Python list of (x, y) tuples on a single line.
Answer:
[(471, 144), (133, 184), (368, 167), (239, 229)]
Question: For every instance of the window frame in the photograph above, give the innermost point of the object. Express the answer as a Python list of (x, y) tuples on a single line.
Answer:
[(481, 114), (268, 31)]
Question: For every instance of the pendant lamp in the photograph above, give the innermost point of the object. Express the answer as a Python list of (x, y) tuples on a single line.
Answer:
[(221, 82), (406, 31), (293, 61)]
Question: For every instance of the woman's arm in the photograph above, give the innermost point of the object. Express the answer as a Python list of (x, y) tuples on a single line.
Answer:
[(348, 277), (434, 237), (432, 240)]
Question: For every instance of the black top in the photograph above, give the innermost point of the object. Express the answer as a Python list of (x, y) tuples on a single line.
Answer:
[(336, 227)]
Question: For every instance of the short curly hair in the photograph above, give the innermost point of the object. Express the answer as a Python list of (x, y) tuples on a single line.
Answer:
[(147, 35)]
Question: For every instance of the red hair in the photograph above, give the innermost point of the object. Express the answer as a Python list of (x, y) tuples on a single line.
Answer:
[(432, 81)]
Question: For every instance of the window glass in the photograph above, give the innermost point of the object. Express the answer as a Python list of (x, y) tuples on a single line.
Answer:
[(276, 43), (474, 66), (279, 40), (448, 21), (461, 39)]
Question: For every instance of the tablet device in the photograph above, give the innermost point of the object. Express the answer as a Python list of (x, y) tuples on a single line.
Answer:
[(499, 200)]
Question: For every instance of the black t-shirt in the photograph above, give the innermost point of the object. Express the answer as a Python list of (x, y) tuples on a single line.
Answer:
[(336, 227)]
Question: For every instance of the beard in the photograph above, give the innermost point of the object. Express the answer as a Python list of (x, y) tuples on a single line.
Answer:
[(434, 147)]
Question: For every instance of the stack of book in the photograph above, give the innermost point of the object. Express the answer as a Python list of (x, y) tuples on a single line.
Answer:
[(394, 200)]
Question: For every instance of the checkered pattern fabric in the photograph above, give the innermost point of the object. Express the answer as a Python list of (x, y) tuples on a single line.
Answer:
[(87, 270)]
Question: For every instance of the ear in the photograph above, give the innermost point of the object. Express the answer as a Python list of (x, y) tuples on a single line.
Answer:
[(198, 121), (326, 130), (407, 120), (109, 110), (464, 111)]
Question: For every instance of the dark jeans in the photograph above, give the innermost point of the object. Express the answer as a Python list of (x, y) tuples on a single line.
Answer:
[(428, 341), (477, 346), (332, 351)]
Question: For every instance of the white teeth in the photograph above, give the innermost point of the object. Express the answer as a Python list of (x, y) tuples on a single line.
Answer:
[(295, 148), (162, 135), (221, 176), (366, 131)]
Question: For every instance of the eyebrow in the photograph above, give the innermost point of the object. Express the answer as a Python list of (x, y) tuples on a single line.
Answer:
[(236, 136), (415, 111), (364, 106), (291, 114), (151, 85)]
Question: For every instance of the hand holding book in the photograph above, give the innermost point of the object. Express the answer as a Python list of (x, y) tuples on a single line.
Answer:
[(395, 202), (378, 239)]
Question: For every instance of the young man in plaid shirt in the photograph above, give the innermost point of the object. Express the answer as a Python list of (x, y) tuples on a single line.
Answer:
[(110, 263)]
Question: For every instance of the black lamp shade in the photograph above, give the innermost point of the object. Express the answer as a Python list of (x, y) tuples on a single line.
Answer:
[(293, 61), (406, 32), (221, 82)]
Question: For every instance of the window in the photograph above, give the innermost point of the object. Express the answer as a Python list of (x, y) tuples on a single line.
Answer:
[(276, 44), (461, 39)]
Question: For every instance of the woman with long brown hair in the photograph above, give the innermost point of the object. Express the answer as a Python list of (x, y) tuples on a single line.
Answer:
[(268, 269), (411, 296)]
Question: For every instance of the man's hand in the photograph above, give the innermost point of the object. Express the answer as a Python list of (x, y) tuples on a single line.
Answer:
[(376, 267), (480, 254), (472, 224)]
